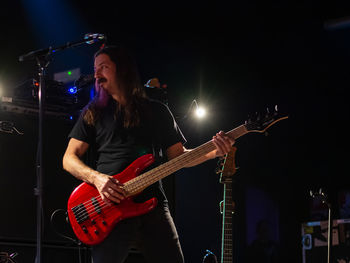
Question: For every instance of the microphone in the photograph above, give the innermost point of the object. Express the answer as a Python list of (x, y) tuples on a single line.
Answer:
[(91, 38)]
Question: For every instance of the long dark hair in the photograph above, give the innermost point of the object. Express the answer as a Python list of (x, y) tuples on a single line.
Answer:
[(129, 83)]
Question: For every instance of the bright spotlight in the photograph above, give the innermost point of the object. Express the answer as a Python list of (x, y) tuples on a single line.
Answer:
[(200, 112)]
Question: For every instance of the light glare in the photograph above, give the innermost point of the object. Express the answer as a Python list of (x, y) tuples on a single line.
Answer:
[(200, 112)]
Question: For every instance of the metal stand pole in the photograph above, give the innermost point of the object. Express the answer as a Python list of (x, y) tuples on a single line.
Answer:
[(323, 197), (38, 191), (330, 233)]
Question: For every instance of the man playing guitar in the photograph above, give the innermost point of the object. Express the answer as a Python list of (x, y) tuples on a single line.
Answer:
[(121, 124)]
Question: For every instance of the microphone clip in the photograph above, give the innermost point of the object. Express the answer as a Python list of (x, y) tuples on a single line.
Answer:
[(91, 38)]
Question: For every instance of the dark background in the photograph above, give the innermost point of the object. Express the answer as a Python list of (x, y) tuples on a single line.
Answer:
[(235, 59)]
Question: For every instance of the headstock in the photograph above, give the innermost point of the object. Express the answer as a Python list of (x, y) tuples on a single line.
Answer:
[(227, 166), (264, 121)]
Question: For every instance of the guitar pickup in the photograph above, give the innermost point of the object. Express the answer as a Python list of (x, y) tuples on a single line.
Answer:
[(80, 213)]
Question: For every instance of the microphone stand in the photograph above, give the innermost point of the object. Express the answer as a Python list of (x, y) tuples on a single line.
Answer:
[(42, 57), (42, 63), (325, 200), (330, 232)]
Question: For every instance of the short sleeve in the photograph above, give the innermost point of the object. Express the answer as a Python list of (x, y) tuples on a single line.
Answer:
[(82, 131), (170, 132)]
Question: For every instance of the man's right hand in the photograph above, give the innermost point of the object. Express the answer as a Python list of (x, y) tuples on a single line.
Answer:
[(110, 189)]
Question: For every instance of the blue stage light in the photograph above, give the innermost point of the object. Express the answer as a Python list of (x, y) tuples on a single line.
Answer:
[(92, 93), (72, 90)]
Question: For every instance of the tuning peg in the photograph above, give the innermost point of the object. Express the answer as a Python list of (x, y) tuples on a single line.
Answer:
[(312, 194), (221, 158), (276, 108), (218, 170), (220, 162)]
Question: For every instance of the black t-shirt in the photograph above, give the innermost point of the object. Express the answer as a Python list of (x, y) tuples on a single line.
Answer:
[(116, 147)]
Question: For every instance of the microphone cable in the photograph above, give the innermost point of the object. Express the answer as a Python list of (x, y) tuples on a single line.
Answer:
[(75, 241)]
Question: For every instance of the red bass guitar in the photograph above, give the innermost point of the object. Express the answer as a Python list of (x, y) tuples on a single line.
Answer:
[(92, 219)]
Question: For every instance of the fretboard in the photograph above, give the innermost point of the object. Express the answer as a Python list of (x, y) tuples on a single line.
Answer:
[(148, 178), (226, 239)]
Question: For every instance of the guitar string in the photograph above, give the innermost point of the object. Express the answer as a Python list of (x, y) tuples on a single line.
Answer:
[(90, 208), (137, 186), (95, 214), (202, 146), (197, 152)]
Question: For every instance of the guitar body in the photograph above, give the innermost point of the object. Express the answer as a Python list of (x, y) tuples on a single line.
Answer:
[(92, 219)]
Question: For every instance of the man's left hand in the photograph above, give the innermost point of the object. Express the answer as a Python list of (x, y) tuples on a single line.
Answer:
[(223, 143)]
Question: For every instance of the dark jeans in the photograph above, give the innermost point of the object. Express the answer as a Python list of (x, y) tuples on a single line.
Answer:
[(154, 234)]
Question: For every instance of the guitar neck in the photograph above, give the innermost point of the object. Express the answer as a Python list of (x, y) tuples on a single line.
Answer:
[(146, 179), (226, 238)]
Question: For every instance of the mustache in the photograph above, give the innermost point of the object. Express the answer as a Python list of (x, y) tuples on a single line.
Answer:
[(100, 80)]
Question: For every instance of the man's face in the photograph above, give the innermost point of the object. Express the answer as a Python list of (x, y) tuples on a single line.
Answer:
[(105, 74)]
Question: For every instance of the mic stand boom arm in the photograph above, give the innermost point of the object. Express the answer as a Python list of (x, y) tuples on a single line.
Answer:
[(44, 52)]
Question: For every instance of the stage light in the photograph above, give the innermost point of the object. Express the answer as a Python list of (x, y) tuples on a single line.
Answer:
[(35, 83), (92, 93), (200, 112), (72, 90)]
